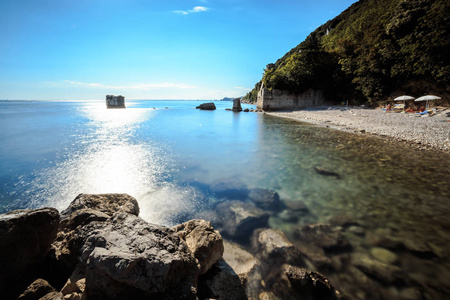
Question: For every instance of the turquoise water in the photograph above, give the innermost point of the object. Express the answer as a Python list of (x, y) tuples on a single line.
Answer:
[(167, 154)]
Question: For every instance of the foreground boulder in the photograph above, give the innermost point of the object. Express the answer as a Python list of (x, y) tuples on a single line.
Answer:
[(105, 203), (25, 239), (128, 258), (205, 243), (38, 289), (207, 106)]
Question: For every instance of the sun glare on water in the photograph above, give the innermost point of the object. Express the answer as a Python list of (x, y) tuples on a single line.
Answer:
[(108, 158)]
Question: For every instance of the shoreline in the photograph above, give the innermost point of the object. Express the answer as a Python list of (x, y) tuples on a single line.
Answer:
[(425, 133)]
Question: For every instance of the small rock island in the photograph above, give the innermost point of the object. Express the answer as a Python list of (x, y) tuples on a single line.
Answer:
[(115, 101)]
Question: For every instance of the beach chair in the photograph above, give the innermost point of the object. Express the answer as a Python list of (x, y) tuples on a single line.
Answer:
[(398, 107)]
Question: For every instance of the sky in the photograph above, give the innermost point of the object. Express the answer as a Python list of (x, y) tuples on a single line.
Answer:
[(148, 49)]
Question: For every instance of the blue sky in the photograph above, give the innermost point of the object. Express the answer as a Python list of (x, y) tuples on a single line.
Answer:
[(148, 49)]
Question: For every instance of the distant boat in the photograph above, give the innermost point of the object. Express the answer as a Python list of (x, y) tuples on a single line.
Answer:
[(115, 101)]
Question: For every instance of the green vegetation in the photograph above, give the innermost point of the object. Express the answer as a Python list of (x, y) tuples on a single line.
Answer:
[(373, 50)]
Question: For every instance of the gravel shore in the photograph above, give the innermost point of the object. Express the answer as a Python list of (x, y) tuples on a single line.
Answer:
[(430, 132)]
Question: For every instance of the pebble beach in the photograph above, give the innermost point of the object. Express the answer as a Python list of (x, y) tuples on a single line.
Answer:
[(425, 132)]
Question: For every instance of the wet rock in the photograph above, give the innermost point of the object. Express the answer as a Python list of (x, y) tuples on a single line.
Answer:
[(273, 247), (246, 110), (384, 255), (323, 236), (383, 272), (106, 203), (343, 220), (230, 188), (325, 172), (265, 198), (240, 219), (221, 282), (205, 243), (310, 285), (25, 239), (288, 216), (357, 230), (128, 258), (207, 106), (296, 205), (241, 261), (39, 288)]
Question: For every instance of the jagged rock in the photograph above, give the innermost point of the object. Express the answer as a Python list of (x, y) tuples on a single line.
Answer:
[(64, 254), (230, 188), (265, 198), (274, 248), (323, 236), (241, 261), (241, 219), (221, 282), (207, 106), (53, 296), (106, 203), (386, 273), (205, 243), (25, 239), (76, 285), (310, 285), (36, 290), (128, 258)]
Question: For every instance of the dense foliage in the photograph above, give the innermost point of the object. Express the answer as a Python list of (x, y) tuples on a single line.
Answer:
[(374, 49)]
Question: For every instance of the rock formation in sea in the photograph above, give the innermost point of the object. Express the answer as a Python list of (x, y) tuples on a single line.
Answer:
[(99, 248)]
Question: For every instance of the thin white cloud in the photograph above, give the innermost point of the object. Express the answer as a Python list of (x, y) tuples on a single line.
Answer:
[(240, 88), (195, 9), (134, 86)]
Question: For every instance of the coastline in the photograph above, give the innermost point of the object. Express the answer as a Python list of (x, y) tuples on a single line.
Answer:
[(425, 133)]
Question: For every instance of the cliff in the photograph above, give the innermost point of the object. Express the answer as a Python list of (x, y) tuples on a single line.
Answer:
[(373, 50)]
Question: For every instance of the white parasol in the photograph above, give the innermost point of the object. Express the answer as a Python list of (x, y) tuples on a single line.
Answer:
[(428, 98), (404, 98)]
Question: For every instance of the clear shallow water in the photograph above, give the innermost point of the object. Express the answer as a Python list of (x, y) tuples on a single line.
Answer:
[(164, 152)]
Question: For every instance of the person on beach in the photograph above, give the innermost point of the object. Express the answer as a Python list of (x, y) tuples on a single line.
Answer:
[(422, 109), (388, 108)]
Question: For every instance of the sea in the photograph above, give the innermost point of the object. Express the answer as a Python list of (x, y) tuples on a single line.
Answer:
[(394, 198)]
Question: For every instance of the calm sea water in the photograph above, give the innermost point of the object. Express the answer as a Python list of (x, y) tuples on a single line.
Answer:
[(164, 152)]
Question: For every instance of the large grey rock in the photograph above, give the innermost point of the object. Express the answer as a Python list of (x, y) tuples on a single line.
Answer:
[(274, 248), (128, 258), (207, 106), (205, 243), (240, 219), (265, 199), (246, 267), (25, 239), (106, 203), (65, 250), (221, 282), (36, 290)]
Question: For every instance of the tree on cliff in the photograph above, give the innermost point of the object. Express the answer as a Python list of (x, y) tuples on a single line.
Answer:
[(370, 51)]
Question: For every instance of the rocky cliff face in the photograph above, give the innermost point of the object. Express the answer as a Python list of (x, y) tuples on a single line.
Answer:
[(99, 248)]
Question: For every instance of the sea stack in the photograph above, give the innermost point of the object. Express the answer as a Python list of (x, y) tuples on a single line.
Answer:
[(115, 101)]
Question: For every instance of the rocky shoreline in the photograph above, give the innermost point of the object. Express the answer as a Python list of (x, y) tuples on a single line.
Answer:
[(430, 132), (99, 248)]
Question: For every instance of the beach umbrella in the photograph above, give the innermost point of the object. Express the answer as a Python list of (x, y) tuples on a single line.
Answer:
[(428, 98), (404, 98)]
